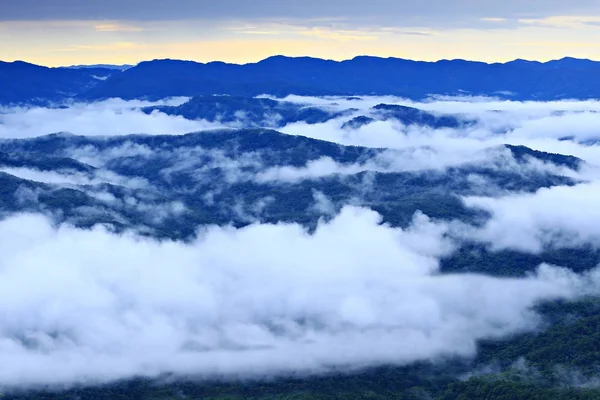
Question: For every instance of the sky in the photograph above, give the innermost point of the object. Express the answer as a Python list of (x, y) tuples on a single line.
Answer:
[(67, 32)]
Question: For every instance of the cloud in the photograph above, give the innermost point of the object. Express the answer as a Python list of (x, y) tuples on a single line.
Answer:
[(556, 375), (73, 178), (117, 27), (198, 164), (313, 169), (542, 126), (557, 217), (323, 204), (566, 21), (407, 160), (131, 201), (90, 306), (105, 118), (492, 19)]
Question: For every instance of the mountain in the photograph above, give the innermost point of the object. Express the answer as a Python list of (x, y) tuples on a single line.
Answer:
[(32, 84), (357, 122), (280, 76), (408, 116), (414, 116), (521, 153), (362, 75), (104, 66), (253, 112), (241, 176)]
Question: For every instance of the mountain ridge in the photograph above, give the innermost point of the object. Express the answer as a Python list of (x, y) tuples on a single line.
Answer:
[(186, 168), (566, 78)]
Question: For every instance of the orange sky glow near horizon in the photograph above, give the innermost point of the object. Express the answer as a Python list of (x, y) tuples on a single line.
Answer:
[(59, 43)]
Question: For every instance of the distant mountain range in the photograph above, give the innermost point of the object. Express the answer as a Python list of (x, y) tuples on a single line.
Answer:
[(108, 66), (520, 79), (24, 83), (253, 112)]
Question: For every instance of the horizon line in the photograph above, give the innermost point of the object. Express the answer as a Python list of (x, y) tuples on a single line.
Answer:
[(303, 57)]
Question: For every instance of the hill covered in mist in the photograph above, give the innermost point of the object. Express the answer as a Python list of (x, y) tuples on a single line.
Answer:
[(234, 247)]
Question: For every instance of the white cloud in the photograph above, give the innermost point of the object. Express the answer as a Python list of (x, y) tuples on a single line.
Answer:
[(538, 125), (556, 217), (313, 169), (323, 204), (93, 156), (48, 176), (74, 178), (105, 118), (91, 306), (413, 148), (414, 160)]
